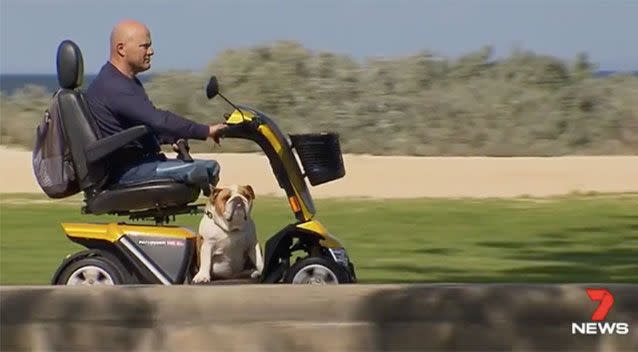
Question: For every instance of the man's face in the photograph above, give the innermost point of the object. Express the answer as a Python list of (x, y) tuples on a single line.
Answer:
[(138, 51)]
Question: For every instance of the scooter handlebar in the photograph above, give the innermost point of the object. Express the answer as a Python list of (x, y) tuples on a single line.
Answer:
[(233, 131), (183, 150)]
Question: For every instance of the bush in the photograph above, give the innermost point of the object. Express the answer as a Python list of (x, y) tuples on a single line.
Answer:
[(523, 105)]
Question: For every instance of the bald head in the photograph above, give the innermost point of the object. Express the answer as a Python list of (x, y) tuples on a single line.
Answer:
[(131, 47), (126, 31)]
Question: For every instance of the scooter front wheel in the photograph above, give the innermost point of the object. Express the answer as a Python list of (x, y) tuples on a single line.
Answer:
[(317, 271)]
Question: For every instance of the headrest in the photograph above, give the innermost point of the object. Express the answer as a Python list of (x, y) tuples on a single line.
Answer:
[(70, 65)]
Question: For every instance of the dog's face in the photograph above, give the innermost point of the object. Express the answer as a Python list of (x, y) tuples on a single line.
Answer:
[(233, 204)]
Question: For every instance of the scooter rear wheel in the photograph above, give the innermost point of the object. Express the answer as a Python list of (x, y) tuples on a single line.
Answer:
[(317, 271), (95, 270)]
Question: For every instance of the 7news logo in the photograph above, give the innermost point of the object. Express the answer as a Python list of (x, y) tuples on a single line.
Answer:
[(598, 325)]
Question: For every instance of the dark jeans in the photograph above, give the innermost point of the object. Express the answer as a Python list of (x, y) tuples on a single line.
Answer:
[(198, 172)]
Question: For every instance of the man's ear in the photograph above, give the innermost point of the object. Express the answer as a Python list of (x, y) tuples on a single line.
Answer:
[(120, 49)]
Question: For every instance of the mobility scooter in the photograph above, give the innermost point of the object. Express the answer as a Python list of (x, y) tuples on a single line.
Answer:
[(124, 253)]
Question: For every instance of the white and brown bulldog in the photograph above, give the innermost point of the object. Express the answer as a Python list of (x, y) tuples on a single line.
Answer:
[(227, 245)]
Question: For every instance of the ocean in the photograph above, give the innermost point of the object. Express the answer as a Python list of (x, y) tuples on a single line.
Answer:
[(9, 83)]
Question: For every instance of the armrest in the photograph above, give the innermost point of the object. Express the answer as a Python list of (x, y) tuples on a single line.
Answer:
[(108, 145)]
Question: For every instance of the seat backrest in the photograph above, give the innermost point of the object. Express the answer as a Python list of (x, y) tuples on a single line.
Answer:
[(79, 125)]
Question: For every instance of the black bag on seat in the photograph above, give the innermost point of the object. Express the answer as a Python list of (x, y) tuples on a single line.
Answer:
[(52, 163)]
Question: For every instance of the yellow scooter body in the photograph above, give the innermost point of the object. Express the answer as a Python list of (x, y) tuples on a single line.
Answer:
[(112, 232), (157, 254)]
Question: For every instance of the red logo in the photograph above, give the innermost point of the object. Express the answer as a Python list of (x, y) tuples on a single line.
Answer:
[(606, 300)]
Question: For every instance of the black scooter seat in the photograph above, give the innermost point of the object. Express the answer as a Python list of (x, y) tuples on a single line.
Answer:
[(152, 194)]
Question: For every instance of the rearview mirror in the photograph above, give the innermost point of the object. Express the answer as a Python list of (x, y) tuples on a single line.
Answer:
[(212, 89)]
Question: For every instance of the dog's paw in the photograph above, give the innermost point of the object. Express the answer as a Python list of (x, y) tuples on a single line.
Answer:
[(255, 274), (201, 278)]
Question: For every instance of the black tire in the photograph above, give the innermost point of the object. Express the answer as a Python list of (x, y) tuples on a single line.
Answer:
[(109, 271), (339, 273)]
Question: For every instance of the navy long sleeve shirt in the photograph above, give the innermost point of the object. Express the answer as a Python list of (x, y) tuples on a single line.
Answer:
[(118, 102)]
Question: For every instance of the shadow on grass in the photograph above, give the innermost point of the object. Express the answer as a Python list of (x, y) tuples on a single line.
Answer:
[(437, 251), (413, 269), (573, 255)]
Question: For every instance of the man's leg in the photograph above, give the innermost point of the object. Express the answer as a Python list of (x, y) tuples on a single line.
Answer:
[(142, 171), (198, 172)]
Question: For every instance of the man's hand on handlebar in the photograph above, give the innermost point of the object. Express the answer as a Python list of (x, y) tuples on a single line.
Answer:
[(214, 131)]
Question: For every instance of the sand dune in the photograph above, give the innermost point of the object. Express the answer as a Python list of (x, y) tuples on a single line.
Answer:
[(408, 177)]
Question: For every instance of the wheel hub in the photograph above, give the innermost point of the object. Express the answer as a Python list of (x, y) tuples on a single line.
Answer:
[(90, 275), (315, 275)]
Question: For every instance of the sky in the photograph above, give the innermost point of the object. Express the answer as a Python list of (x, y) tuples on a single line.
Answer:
[(187, 34)]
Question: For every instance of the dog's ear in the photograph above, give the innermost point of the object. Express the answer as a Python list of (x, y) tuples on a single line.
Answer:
[(214, 191), (250, 191)]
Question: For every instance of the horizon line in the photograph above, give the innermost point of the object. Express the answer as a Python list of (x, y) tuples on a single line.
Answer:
[(635, 70)]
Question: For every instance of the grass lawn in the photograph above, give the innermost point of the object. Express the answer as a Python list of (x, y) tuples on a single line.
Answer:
[(567, 239)]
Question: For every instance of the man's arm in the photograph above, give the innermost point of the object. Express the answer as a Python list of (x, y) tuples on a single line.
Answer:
[(165, 124)]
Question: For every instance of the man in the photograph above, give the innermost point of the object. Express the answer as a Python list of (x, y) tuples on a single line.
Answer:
[(118, 101)]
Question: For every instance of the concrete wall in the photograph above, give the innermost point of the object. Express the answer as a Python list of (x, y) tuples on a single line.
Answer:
[(307, 318)]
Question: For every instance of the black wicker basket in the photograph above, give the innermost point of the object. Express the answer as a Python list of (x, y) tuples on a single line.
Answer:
[(320, 156)]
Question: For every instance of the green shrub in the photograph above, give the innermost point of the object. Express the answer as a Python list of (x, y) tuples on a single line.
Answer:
[(523, 104)]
